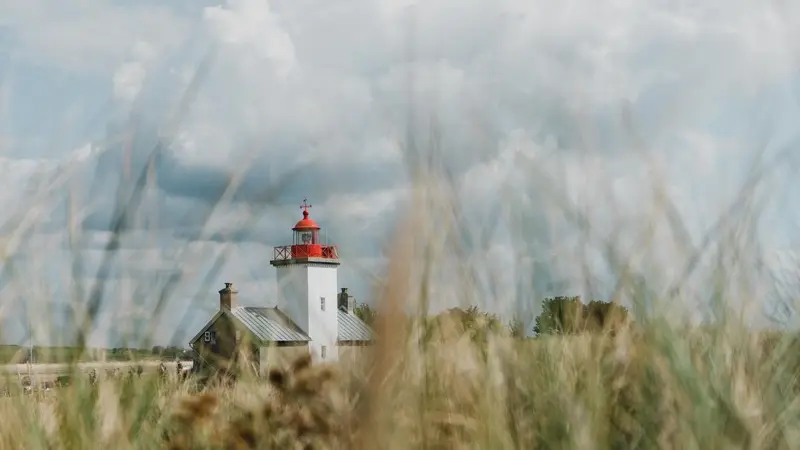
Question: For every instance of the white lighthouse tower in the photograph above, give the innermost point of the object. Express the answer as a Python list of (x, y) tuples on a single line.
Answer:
[(308, 285)]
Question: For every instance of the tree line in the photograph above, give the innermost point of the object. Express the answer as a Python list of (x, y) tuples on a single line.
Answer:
[(16, 354), (559, 316)]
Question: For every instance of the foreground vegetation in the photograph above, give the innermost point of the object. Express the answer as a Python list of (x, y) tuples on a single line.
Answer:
[(648, 386), (593, 378)]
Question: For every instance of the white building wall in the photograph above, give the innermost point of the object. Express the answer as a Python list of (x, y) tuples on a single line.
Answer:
[(301, 290), (323, 324), (293, 293)]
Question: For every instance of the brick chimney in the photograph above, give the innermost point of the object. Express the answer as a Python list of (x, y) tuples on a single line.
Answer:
[(346, 301), (227, 297)]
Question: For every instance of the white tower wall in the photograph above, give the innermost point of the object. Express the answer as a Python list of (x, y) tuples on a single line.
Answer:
[(302, 286)]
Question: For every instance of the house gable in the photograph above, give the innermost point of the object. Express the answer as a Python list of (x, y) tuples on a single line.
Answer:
[(219, 342), (206, 327)]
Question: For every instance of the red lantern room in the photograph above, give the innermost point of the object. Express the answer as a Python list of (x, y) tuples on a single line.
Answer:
[(306, 232), (306, 242)]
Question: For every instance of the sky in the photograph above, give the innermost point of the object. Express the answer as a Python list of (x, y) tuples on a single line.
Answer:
[(528, 105)]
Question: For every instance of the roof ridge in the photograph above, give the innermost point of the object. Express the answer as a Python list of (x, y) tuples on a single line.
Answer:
[(256, 308)]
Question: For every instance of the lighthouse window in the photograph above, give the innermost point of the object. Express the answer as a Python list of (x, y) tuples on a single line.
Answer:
[(306, 238), (322, 303)]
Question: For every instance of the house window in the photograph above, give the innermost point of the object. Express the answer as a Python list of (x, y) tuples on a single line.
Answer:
[(322, 303), (323, 351)]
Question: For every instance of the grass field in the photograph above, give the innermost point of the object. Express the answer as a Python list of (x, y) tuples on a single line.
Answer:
[(47, 373), (61, 368), (660, 383), (64, 368), (15, 354), (627, 152), (654, 387)]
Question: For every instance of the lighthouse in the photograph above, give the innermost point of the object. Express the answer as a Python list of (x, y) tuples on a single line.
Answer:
[(307, 275), (307, 314)]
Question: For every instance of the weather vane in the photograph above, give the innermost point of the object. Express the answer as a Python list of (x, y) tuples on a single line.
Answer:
[(305, 205)]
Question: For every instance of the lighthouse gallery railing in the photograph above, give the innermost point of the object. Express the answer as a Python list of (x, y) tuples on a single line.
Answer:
[(285, 252)]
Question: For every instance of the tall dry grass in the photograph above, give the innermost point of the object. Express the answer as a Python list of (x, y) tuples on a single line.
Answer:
[(662, 383), (658, 383), (651, 387)]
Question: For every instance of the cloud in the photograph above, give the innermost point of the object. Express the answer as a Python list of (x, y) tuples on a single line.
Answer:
[(130, 76), (90, 38), (526, 107), (251, 26)]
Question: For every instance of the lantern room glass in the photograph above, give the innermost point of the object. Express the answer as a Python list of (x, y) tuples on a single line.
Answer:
[(306, 237)]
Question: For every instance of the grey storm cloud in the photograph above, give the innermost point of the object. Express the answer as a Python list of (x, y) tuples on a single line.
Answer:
[(187, 192), (310, 102)]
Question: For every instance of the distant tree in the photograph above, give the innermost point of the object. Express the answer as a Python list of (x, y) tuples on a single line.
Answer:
[(473, 322), (559, 315), (475, 319), (172, 352), (604, 315), (157, 350), (364, 312), (568, 315)]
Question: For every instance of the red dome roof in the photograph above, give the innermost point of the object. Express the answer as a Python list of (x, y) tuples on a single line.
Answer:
[(306, 223)]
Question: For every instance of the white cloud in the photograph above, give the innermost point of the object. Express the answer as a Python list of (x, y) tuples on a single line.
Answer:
[(91, 37), (252, 25), (362, 210), (23, 181), (130, 76), (526, 95)]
